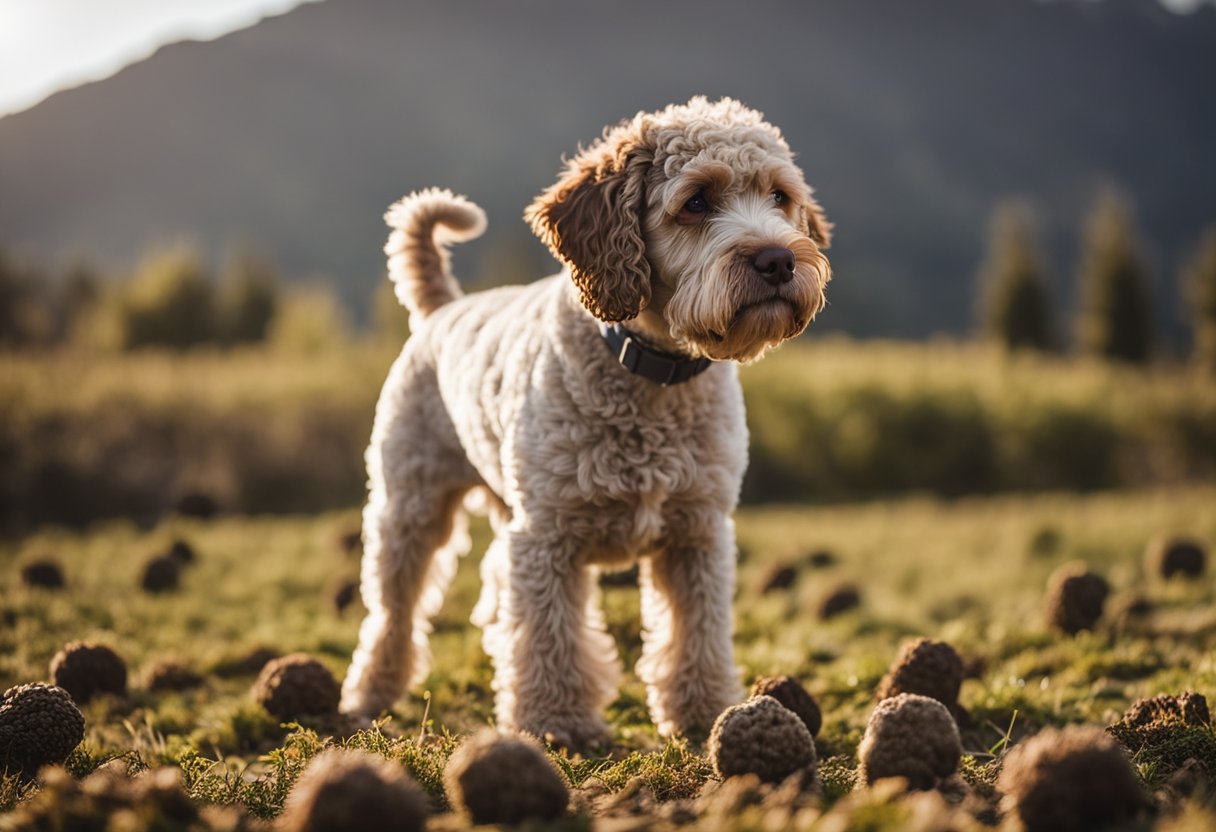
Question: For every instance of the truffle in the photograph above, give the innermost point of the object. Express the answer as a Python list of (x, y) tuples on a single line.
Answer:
[(1174, 557), (929, 668), (793, 697), (761, 737), (161, 574), (840, 600), (197, 504), (499, 779), (297, 685), (909, 736), (248, 664), (342, 789), (85, 670), (350, 541), (39, 724), (171, 675), (781, 576), (1075, 598), (43, 574), (821, 559), (182, 552), (343, 593), (1190, 708), (1077, 779)]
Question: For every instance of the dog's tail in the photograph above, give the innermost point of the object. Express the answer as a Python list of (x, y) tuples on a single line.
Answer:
[(423, 224)]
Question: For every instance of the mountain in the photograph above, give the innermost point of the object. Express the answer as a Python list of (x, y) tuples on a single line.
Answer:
[(910, 118)]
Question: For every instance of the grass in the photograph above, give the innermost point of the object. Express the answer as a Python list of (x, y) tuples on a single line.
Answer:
[(969, 571), (86, 436)]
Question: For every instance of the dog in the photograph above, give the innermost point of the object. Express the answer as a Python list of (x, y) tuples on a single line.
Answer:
[(595, 415)]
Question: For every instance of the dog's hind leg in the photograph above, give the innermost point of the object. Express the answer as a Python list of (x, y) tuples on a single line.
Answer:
[(687, 658), (413, 531)]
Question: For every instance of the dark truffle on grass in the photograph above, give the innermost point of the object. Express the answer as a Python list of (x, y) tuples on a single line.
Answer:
[(297, 685), (170, 675), (495, 778), (840, 600), (1075, 598), (345, 789), (929, 668), (793, 697), (85, 670), (1070, 780), (182, 552), (43, 574), (1187, 707), (162, 574), (39, 724), (1175, 557), (761, 737), (909, 736), (782, 576)]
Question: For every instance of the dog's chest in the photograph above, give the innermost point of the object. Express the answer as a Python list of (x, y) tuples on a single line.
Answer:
[(636, 464)]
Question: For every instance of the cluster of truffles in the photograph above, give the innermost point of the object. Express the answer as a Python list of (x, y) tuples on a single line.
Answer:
[(1075, 598), (927, 668), (1070, 780), (793, 697), (86, 670), (297, 685), (493, 778), (340, 786), (910, 736), (39, 724)]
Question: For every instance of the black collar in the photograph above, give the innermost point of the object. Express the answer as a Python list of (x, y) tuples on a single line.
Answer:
[(659, 367)]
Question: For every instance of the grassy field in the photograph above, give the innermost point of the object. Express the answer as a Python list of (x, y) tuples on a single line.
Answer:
[(971, 572), (86, 436)]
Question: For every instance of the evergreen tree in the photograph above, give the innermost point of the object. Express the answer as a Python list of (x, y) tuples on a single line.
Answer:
[(249, 297), (1200, 282), (1015, 309), (1116, 319)]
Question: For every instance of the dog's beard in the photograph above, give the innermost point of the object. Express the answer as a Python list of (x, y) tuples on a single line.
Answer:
[(727, 312)]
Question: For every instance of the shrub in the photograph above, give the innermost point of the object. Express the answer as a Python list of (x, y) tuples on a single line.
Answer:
[(1199, 278), (170, 302)]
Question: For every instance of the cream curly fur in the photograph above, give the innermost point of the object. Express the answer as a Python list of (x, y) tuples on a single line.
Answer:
[(511, 395)]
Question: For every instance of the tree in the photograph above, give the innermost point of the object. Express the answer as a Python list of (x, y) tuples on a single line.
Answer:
[(1116, 319), (25, 318), (1015, 308), (249, 297), (1199, 278), (170, 302)]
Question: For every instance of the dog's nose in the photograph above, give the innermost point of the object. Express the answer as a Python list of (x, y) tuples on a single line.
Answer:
[(775, 265)]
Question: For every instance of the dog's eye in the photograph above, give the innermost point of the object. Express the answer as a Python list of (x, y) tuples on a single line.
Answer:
[(698, 204), (694, 210), (780, 197)]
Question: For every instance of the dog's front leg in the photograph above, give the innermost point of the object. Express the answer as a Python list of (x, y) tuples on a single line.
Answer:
[(687, 658), (555, 664)]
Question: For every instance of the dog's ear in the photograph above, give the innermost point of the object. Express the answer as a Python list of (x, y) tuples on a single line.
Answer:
[(815, 224), (591, 221)]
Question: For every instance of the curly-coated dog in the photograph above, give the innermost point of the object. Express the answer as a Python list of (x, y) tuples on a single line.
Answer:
[(596, 415)]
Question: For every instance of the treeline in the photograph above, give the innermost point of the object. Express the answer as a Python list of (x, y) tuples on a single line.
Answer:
[(1115, 314), (173, 300)]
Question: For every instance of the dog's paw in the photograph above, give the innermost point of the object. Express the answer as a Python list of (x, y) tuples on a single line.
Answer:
[(575, 734)]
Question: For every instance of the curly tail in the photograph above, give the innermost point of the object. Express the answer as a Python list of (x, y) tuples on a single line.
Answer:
[(423, 224)]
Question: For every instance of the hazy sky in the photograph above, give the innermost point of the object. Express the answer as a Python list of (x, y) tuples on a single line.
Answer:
[(47, 45)]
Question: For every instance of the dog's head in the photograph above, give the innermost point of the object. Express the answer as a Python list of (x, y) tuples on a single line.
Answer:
[(699, 210)]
